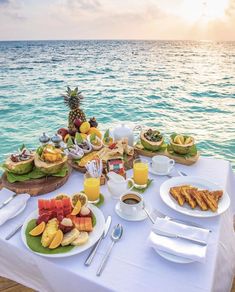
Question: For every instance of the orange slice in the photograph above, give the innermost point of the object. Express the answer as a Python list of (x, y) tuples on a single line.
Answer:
[(77, 208), (57, 239), (38, 230)]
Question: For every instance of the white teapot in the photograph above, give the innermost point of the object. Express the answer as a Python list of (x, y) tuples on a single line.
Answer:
[(122, 131), (118, 185)]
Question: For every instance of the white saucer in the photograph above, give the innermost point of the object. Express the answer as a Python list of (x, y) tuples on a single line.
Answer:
[(141, 216), (159, 173)]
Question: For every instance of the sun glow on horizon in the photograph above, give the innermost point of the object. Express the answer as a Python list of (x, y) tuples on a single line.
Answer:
[(203, 10)]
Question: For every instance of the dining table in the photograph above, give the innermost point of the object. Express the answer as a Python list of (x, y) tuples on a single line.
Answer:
[(133, 265)]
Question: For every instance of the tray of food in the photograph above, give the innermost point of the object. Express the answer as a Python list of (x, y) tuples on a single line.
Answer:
[(194, 196), (37, 172), (62, 226), (181, 148)]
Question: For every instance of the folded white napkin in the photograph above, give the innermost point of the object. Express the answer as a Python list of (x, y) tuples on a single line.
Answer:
[(9, 211), (178, 246)]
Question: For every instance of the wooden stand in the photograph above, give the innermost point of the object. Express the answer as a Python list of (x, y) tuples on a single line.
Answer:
[(128, 163), (179, 159), (35, 187), (75, 166)]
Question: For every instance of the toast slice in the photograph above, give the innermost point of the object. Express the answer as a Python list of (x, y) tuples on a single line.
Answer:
[(197, 195), (176, 194), (210, 200), (186, 192), (217, 194)]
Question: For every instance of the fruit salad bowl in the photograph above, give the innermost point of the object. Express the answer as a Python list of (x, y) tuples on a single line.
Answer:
[(181, 144)]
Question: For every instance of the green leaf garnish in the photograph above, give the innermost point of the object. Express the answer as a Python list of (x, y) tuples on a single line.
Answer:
[(39, 150), (78, 138), (106, 134), (34, 174), (22, 147), (93, 137), (70, 142)]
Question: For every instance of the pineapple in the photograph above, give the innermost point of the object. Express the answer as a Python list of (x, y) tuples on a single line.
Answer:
[(72, 99)]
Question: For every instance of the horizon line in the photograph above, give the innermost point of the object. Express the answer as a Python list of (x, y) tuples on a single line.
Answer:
[(118, 39)]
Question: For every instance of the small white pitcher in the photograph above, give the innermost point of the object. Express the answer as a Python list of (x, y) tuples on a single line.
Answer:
[(118, 185)]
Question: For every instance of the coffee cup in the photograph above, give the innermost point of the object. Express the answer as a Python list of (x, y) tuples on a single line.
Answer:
[(131, 204), (162, 164)]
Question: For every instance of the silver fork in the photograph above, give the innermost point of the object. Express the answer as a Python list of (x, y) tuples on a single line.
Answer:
[(181, 173), (157, 213)]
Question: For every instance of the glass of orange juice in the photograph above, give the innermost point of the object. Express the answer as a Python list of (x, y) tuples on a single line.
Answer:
[(92, 188), (140, 169)]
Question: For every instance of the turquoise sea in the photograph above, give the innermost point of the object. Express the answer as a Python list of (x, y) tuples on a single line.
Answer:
[(176, 86)]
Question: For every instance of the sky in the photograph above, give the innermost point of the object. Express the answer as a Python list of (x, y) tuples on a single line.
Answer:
[(117, 19)]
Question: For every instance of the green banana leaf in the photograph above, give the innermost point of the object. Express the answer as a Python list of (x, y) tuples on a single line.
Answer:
[(34, 174)]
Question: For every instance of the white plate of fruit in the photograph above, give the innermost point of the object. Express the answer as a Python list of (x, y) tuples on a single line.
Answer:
[(63, 226)]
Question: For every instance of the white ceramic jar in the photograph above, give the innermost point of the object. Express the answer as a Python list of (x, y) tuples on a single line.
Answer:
[(123, 131)]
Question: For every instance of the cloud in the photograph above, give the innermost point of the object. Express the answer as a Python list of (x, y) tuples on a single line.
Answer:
[(4, 2), (12, 9), (230, 11), (90, 5)]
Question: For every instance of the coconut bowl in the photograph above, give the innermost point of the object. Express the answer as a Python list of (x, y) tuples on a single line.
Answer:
[(182, 148)]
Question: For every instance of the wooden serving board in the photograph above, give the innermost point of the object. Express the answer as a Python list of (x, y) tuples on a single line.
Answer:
[(75, 166), (35, 187), (128, 163), (179, 159)]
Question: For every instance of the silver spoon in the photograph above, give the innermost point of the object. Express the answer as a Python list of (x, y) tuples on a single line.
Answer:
[(148, 214), (115, 236)]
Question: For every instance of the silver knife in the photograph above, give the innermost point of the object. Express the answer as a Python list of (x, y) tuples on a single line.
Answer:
[(8, 201), (14, 231), (95, 247), (172, 235)]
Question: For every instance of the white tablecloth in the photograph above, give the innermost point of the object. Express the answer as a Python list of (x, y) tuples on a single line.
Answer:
[(133, 265)]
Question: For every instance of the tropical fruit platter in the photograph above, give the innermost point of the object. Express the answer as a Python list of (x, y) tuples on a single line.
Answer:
[(36, 172), (181, 148), (77, 145), (65, 224)]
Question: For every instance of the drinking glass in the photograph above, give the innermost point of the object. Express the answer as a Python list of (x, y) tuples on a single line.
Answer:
[(92, 188), (140, 169)]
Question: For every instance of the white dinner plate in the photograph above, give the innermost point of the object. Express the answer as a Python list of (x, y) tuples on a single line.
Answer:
[(201, 183), (93, 236), (173, 258)]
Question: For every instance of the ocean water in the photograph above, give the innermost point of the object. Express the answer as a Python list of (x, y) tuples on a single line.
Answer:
[(175, 86)]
